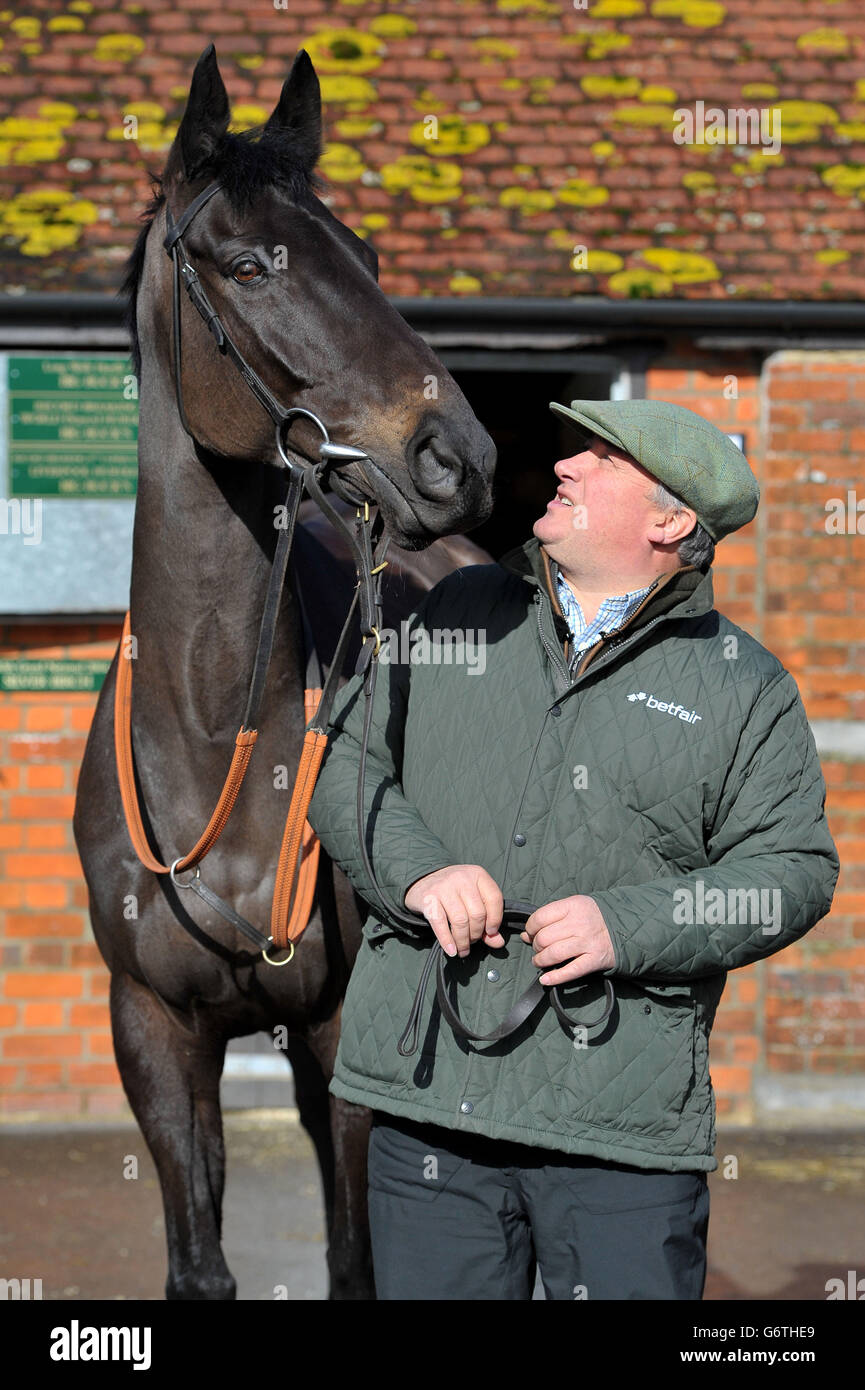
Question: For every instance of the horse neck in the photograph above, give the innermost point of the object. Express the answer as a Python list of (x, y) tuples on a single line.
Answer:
[(203, 546)]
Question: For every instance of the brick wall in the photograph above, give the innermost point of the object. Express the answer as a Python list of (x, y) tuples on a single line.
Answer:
[(799, 1015), (56, 1055)]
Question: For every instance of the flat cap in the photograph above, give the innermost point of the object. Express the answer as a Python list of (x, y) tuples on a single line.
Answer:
[(689, 455)]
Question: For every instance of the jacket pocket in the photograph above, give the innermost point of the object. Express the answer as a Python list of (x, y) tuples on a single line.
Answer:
[(639, 1080)]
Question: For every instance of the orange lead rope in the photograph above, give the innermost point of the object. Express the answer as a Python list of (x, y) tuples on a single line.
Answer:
[(298, 835)]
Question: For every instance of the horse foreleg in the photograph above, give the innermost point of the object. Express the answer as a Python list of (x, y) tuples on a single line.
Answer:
[(349, 1255), (171, 1077)]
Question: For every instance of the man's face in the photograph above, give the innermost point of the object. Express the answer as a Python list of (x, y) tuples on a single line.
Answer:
[(600, 521)]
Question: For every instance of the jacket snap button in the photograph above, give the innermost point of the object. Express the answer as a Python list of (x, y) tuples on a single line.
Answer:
[(492, 975), (519, 838), (556, 710), (647, 1008), (467, 1107)]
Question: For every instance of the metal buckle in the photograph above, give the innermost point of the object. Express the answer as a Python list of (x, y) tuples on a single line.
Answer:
[(173, 875), (279, 962)]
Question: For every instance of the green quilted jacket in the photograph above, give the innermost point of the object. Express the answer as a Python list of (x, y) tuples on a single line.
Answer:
[(674, 778)]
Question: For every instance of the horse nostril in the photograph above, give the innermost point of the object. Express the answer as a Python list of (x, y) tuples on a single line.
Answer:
[(435, 471)]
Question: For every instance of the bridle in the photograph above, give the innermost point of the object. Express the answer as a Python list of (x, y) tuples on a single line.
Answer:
[(299, 850)]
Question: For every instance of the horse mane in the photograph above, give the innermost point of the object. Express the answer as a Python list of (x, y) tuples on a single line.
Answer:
[(246, 163)]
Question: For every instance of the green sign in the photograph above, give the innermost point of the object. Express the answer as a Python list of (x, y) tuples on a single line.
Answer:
[(72, 426), (33, 673)]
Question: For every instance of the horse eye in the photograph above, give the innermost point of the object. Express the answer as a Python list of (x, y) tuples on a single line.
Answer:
[(247, 270)]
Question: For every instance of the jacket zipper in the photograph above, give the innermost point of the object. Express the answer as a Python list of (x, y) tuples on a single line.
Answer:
[(609, 645), (551, 652)]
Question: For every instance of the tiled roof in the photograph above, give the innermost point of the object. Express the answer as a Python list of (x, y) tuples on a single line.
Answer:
[(487, 147)]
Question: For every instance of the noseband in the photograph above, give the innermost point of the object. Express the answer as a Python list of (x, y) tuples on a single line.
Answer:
[(289, 919)]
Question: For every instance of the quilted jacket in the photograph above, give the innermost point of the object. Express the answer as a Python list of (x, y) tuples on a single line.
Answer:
[(674, 778)]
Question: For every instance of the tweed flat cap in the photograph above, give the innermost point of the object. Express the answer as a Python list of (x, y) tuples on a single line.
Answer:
[(688, 454)]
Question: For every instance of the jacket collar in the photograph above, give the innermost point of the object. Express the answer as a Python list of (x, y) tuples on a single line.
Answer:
[(683, 592)]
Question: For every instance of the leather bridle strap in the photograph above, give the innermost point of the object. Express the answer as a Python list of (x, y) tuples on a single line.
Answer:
[(245, 738), (517, 1016), (187, 274)]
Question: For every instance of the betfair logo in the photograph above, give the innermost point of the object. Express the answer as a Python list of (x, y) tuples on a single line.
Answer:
[(688, 716)]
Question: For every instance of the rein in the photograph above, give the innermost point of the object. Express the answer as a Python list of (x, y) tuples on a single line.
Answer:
[(290, 909)]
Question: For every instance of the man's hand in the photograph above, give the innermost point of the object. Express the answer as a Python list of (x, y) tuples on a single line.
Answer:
[(573, 930), (462, 904)]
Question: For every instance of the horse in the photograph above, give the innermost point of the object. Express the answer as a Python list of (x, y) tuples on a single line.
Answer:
[(299, 292)]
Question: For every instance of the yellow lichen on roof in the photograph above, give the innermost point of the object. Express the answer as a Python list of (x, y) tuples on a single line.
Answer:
[(582, 194), (846, 180), (639, 284), (698, 14), (26, 26), (806, 113), (246, 115), (683, 267), (118, 48), (45, 220), (616, 9), (598, 87), (461, 283), (529, 200), (35, 140), (393, 26), (824, 41), (495, 48), (342, 163), (639, 115), (445, 136), (344, 50), (542, 7), (426, 180), (602, 44), (343, 87), (355, 127), (596, 262)]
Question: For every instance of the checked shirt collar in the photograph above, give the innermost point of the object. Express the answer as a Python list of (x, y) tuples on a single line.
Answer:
[(613, 612)]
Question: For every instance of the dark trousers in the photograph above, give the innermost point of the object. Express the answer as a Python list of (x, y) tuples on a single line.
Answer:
[(461, 1216)]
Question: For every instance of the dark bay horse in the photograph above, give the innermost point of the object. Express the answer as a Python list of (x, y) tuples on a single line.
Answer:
[(298, 292)]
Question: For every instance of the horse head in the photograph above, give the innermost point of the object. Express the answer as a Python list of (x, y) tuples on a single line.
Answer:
[(298, 293)]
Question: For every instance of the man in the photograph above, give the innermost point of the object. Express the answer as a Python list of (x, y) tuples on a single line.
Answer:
[(641, 771)]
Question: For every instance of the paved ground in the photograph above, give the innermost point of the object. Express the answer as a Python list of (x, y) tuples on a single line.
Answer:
[(790, 1220)]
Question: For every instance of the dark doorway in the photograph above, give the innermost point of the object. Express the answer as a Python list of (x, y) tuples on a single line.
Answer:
[(513, 406)]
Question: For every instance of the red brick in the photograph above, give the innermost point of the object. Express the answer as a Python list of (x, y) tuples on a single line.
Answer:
[(93, 1074), (42, 1045), (45, 924), (55, 984), (43, 1015)]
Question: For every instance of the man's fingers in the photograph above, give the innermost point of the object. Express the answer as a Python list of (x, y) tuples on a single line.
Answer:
[(574, 970), (435, 914), (467, 915), (557, 951), (543, 917)]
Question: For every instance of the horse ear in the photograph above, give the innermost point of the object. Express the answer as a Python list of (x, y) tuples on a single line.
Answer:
[(204, 122), (297, 114)]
